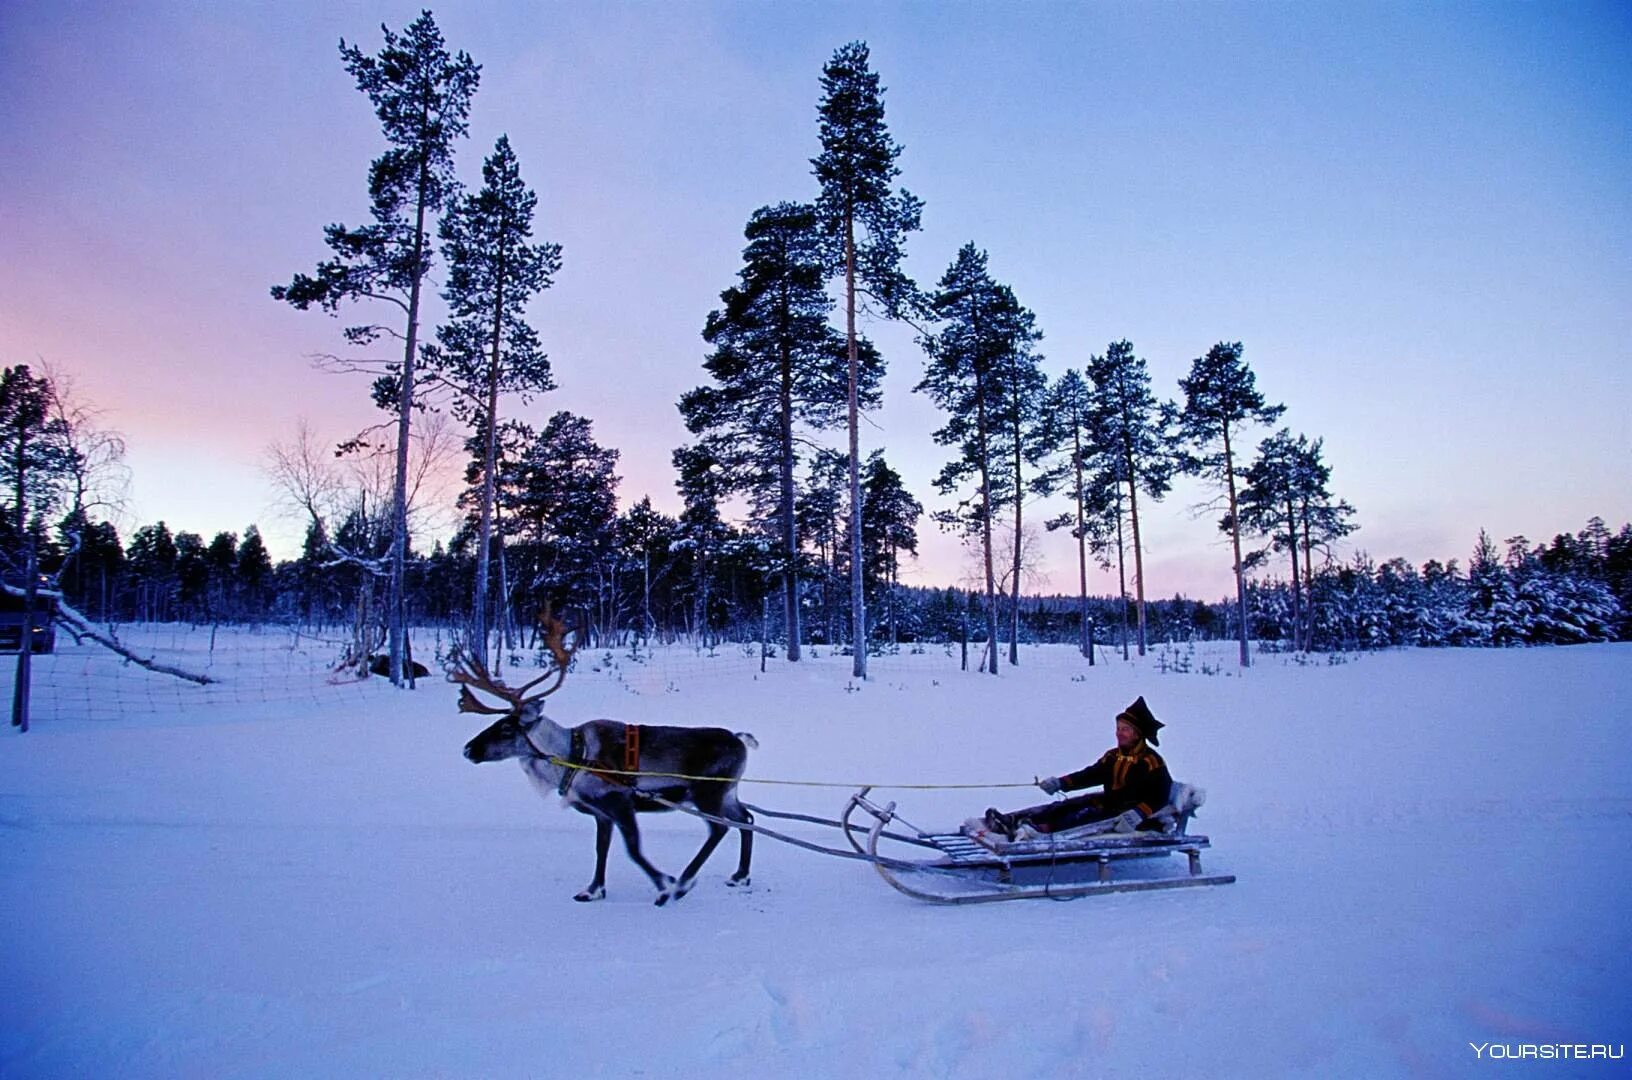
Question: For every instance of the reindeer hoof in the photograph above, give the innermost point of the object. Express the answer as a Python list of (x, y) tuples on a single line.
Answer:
[(596, 893), (743, 882), (669, 891)]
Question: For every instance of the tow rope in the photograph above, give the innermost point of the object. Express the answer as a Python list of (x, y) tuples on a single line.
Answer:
[(848, 785)]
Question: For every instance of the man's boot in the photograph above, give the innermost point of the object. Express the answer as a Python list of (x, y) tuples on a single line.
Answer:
[(999, 822)]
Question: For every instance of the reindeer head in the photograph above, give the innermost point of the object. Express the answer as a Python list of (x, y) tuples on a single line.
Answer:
[(512, 734)]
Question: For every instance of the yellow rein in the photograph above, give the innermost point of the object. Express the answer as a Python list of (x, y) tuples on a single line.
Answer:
[(786, 783)]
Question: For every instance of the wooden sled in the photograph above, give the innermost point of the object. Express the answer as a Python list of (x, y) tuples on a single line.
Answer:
[(975, 866)]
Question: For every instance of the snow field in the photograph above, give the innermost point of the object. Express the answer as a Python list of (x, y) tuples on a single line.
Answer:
[(1428, 846)]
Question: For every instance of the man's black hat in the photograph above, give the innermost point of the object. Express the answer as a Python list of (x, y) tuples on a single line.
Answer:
[(1139, 715)]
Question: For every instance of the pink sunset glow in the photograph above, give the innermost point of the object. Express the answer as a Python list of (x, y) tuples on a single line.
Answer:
[(1430, 269)]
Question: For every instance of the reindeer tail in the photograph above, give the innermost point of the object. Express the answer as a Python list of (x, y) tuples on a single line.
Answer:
[(748, 740)]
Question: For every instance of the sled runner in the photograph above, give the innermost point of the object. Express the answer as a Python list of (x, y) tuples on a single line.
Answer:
[(976, 865)]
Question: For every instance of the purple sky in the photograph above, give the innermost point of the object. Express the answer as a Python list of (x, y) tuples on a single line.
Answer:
[(1418, 219)]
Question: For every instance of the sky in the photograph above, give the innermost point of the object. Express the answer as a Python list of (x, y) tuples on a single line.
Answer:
[(1416, 217)]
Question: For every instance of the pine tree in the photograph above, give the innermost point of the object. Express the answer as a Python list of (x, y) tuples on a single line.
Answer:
[(36, 459), (1136, 430), (97, 567), (1617, 575), (646, 535), (1321, 519), (421, 95), (1023, 385), (779, 371), (563, 505), (152, 557), (1220, 396), (820, 509), (1287, 499), (1068, 429), (193, 579), (1555, 604), (978, 324), (1265, 507), (254, 572), (487, 347), (891, 528), (1488, 593), (866, 225), (700, 530)]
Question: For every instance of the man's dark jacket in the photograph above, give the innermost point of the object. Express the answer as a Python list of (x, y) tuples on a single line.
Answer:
[(1137, 780)]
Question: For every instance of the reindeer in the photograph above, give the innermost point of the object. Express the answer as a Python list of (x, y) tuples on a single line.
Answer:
[(565, 761)]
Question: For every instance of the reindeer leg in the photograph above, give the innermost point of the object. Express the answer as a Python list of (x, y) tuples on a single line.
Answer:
[(603, 843), (688, 877), (622, 813), (740, 878)]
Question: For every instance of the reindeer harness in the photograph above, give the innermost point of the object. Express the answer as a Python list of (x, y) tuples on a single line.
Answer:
[(628, 761)]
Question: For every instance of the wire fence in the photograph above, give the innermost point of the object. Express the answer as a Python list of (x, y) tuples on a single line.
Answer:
[(247, 666), (290, 668)]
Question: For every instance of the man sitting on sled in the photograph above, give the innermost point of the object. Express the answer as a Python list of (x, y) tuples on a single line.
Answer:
[(1134, 776)]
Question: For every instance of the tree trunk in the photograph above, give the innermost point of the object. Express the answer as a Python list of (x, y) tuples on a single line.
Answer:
[(989, 664), (895, 569), (1138, 553), (858, 596), (702, 612), (1309, 583), (790, 526), (1014, 615), (396, 599), (507, 625), (1122, 575), (830, 586), (22, 687), (25, 653), (1292, 549), (646, 595), (489, 464), (1085, 642), (1235, 538)]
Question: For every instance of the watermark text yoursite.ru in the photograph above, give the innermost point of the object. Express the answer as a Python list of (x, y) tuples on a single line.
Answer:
[(1549, 1051)]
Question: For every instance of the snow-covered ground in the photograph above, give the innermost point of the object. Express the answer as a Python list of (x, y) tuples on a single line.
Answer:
[(277, 877)]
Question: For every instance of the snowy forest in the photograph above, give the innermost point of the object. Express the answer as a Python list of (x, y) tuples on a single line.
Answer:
[(791, 533)]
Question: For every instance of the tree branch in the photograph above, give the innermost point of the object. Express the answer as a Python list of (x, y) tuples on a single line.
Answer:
[(80, 627)]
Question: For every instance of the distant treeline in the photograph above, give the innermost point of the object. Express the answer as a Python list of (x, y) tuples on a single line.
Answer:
[(656, 586)]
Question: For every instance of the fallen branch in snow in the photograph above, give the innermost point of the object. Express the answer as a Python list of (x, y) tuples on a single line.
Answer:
[(81, 628)]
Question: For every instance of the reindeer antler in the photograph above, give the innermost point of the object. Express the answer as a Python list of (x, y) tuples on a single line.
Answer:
[(555, 640), (470, 671)]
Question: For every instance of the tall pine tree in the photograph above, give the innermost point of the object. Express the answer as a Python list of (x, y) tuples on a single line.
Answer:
[(1023, 385), (1220, 396), (1068, 430), (866, 224), (488, 348), (977, 319), (779, 370), (1136, 429), (1267, 506), (1288, 499), (421, 95)]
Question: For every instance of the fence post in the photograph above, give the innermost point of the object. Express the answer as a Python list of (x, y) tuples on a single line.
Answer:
[(25, 651)]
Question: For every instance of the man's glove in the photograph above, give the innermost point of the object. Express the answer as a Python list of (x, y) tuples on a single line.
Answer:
[(1050, 785), (1127, 821)]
